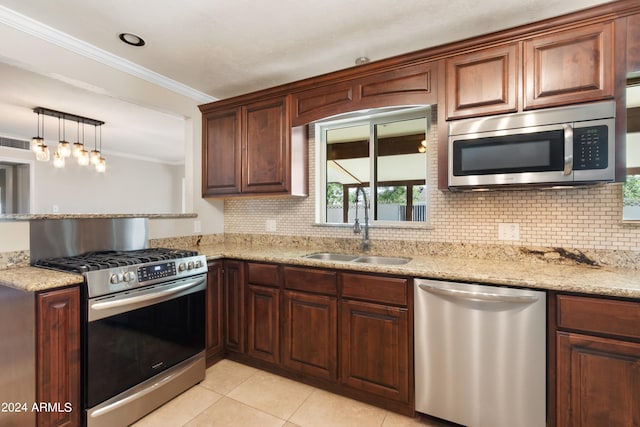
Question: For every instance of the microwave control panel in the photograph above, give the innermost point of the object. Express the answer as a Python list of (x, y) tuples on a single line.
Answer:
[(590, 148)]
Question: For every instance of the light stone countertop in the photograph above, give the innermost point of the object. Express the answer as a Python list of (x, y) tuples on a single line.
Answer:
[(604, 281)]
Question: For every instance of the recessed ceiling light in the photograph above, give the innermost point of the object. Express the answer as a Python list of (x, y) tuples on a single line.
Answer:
[(131, 39), (362, 60)]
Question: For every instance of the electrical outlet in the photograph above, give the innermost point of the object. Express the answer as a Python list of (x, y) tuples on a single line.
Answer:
[(508, 231), (197, 226), (55, 208)]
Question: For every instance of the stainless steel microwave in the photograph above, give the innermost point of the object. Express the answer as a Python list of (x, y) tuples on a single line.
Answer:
[(552, 147)]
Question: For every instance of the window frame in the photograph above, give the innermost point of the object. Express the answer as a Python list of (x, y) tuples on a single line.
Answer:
[(371, 118)]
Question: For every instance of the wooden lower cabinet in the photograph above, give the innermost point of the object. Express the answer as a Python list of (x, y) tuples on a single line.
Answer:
[(263, 323), (597, 361), (375, 351), (599, 382), (233, 294), (58, 356), (215, 309), (310, 334)]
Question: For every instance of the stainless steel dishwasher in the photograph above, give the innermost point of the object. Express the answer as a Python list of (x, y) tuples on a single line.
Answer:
[(480, 354)]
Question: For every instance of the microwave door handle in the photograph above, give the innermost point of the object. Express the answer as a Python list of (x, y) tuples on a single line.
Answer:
[(568, 149)]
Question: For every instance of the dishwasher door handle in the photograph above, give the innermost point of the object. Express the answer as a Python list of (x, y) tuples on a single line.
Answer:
[(478, 296)]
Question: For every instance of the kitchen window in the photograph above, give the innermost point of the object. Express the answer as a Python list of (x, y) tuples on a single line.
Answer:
[(631, 188), (385, 154)]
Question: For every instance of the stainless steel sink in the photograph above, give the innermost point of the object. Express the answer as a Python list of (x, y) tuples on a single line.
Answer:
[(330, 256), (364, 259), (383, 260)]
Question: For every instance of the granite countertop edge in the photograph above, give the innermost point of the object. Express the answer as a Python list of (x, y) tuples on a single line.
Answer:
[(601, 281)]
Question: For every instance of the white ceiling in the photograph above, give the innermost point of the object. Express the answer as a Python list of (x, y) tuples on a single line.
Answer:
[(65, 54)]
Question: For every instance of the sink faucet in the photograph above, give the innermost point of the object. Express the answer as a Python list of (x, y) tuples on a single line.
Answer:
[(356, 223)]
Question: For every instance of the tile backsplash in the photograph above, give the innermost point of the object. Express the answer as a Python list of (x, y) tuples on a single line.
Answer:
[(582, 218)]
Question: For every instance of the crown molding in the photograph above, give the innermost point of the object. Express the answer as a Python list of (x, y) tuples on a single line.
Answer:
[(37, 29)]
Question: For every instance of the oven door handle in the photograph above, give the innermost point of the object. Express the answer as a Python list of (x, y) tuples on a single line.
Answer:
[(164, 294)]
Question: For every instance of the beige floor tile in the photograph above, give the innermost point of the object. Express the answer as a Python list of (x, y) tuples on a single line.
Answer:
[(182, 409), (323, 409), (272, 394), (226, 375), (397, 420), (227, 412)]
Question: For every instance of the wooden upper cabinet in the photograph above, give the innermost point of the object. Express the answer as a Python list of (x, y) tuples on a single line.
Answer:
[(266, 148), (252, 149), (633, 44), (568, 67), (221, 153), (482, 82), (409, 85)]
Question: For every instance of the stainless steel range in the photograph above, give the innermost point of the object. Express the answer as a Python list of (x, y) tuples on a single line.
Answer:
[(143, 327)]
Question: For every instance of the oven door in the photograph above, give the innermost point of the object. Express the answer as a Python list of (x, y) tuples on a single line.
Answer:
[(132, 336)]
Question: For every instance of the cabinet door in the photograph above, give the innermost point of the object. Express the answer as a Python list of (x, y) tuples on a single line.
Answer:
[(598, 382), (266, 148), (633, 44), (58, 356), (234, 306), (221, 153), (482, 82), (310, 334), (569, 67), (214, 341), (375, 349), (263, 323), (323, 101)]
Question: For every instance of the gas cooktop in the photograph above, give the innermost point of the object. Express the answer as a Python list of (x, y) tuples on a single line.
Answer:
[(107, 272), (92, 261)]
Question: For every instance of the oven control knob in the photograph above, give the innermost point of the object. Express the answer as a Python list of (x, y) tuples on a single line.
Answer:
[(116, 278), (198, 264), (182, 266), (129, 276), (190, 265)]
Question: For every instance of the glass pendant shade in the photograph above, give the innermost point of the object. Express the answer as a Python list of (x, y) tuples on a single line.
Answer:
[(64, 149), (36, 143), (58, 160), (101, 166), (94, 156), (43, 153), (83, 158), (76, 149)]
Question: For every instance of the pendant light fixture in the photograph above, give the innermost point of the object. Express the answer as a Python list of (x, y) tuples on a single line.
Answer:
[(42, 151), (37, 141), (101, 165), (83, 156), (77, 147), (66, 149), (94, 156)]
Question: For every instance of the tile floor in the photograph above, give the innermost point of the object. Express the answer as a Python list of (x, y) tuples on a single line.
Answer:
[(236, 395)]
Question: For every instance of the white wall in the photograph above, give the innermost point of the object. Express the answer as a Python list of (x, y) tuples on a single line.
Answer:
[(128, 186)]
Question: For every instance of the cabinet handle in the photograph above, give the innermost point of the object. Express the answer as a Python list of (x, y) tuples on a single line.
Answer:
[(568, 149)]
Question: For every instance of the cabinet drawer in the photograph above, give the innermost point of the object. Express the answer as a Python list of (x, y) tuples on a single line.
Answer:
[(602, 316), (310, 280), (262, 274), (386, 290)]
